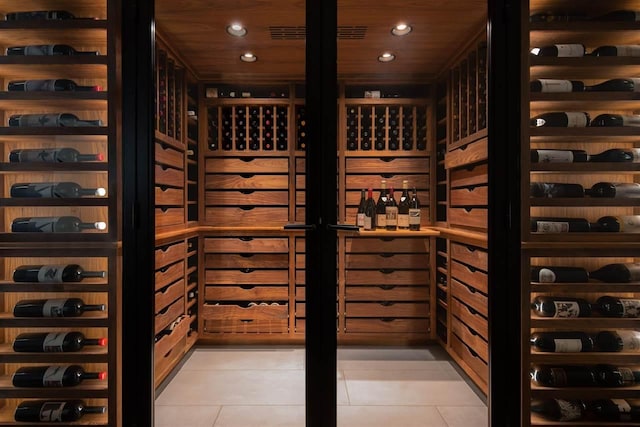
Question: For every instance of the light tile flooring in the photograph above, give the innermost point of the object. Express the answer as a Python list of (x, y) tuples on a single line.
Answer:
[(264, 387)]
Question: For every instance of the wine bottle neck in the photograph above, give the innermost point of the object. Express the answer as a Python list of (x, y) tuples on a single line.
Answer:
[(98, 274), (94, 307), (94, 409)]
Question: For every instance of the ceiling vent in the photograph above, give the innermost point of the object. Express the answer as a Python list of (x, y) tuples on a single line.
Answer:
[(345, 32)]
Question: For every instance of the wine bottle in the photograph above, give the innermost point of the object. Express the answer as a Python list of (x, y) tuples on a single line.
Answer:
[(403, 207), (616, 85), (555, 274), (611, 306), (559, 225), (49, 15), (370, 212), (54, 410), (556, 85), (619, 15), (616, 376), (50, 120), (559, 50), (615, 341), (47, 50), (54, 273), (617, 155), (565, 119), (57, 190), (628, 190), (59, 224), (563, 376), (562, 341), (558, 156), (619, 224), (381, 215), (623, 410), (361, 207), (553, 189), (391, 212), (558, 409), (616, 50), (53, 376), (548, 306), (54, 342), (616, 120), (51, 155), (58, 307), (414, 212), (556, 16), (617, 273), (49, 85)]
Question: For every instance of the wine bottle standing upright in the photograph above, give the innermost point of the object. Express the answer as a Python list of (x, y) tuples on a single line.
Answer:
[(565, 119), (58, 190), (370, 211), (556, 85), (621, 190), (559, 274), (54, 342), (562, 341), (620, 340), (381, 215), (54, 410), (414, 212), (617, 273), (61, 224), (391, 212), (403, 207), (54, 273), (558, 409), (56, 307), (361, 207), (560, 306), (611, 306), (53, 376)]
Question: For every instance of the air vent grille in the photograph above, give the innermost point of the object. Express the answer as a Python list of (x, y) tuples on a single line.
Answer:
[(345, 32)]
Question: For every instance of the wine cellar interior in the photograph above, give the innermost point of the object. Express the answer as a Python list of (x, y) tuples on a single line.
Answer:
[(230, 175)]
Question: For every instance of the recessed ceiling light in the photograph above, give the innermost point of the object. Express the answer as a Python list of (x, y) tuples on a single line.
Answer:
[(386, 57), (248, 57), (237, 30), (401, 29)]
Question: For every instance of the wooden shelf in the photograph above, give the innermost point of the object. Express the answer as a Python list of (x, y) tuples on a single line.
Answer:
[(591, 358), (584, 287), (583, 201), (53, 101), (46, 201), (580, 323), (54, 167), (93, 420), (53, 287), (577, 101), (88, 389), (87, 320), (53, 131), (86, 355), (45, 24), (588, 168)]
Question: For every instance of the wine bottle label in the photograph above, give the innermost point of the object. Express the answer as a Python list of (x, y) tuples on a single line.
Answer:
[(552, 227), (52, 411), (367, 223), (53, 376), (567, 309), (381, 220), (576, 120), (569, 410), (392, 215), (52, 343), (568, 345), (403, 220), (636, 81), (628, 50), (360, 220), (414, 216), (630, 340), (53, 307), (623, 408), (630, 307), (553, 85), (546, 275), (567, 50), (635, 152), (555, 156), (630, 224), (50, 274), (631, 121)]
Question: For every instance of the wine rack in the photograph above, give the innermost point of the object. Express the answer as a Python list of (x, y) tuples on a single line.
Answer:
[(442, 290), (588, 250), (192, 150), (66, 123), (441, 151)]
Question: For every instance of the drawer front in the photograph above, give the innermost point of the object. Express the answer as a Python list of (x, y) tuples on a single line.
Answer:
[(247, 277), (247, 216), (246, 182), (468, 217), (247, 165), (246, 293), (246, 326), (470, 317), (387, 309), (470, 358), (301, 165), (470, 276), (168, 156), (169, 216), (470, 338), (358, 182), (169, 196), (403, 326), (169, 314), (389, 245), (389, 260), (246, 197), (169, 274), (246, 245), (471, 255), (387, 293), (469, 153), (387, 165), (169, 176), (167, 254), (247, 261), (472, 175), (170, 347), (470, 196), (387, 277), (236, 319), (470, 296), (300, 244), (168, 295)]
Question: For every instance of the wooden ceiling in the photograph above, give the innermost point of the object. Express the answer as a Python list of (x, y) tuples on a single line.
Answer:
[(441, 29)]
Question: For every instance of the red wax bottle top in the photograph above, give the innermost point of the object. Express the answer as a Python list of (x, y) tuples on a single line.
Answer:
[(102, 375), (102, 341), (100, 156)]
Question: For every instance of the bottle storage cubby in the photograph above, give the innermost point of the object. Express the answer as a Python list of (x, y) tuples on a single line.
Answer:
[(441, 151), (442, 289), (192, 151)]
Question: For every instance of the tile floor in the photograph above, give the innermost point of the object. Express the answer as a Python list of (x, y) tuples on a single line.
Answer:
[(264, 387)]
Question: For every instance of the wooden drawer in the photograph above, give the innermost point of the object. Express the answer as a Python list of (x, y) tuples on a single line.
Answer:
[(246, 261), (472, 255), (246, 245), (387, 309), (169, 314), (169, 294), (168, 156), (470, 317), (389, 245), (246, 197), (470, 296), (470, 358), (168, 342), (468, 217), (387, 277), (389, 260), (470, 276), (169, 196), (358, 182), (472, 152), (246, 293), (470, 338), (387, 293), (387, 165), (236, 319), (389, 325), (247, 277), (471, 175), (167, 254), (247, 165), (247, 216), (246, 182), (301, 165), (169, 274), (169, 176), (469, 196), (169, 216), (301, 244)]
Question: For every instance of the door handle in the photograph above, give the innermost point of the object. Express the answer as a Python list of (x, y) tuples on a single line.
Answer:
[(299, 227), (343, 227)]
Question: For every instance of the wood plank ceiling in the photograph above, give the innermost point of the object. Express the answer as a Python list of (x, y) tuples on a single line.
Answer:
[(441, 29)]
